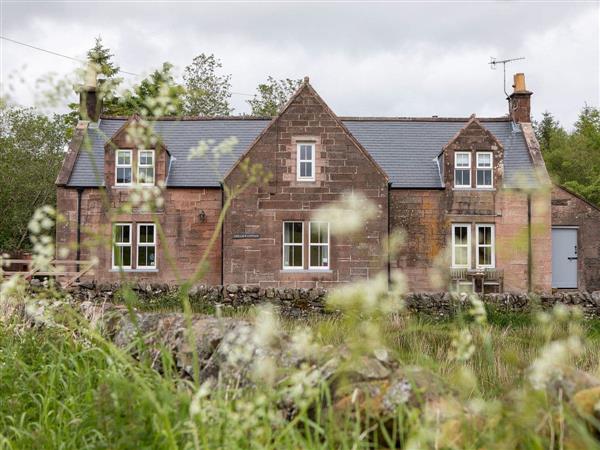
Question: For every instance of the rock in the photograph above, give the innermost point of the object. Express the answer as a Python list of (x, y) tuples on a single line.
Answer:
[(232, 288), (586, 403)]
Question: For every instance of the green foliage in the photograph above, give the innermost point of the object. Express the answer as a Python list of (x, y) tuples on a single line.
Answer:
[(272, 96), (207, 93), (31, 153), (156, 95), (102, 58), (573, 158)]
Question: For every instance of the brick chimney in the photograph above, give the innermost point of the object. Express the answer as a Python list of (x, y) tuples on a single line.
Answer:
[(519, 102), (90, 100)]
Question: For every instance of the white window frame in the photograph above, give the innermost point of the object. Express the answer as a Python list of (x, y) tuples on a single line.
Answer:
[(462, 186), (146, 244), (295, 244), (117, 166), (492, 245), (122, 244), (311, 160), (490, 168), (311, 244), (461, 266), (146, 166)]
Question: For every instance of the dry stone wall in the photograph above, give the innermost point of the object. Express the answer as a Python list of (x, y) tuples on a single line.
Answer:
[(303, 302)]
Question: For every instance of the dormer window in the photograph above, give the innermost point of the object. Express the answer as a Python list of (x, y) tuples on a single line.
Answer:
[(146, 167), (123, 168), (462, 169), (305, 162), (484, 169)]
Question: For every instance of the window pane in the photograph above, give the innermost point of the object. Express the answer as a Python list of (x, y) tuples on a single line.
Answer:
[(460, 235), (484, 177), (146, 256), (318, 232), (485, 235), (146, 234), (462, 160), (146, 175), (484, 160), (292, 256), (485, 256), (292, 233), (460, 254), (318, 255), (122, 234), (146, 158), (463, 177), (123, 256), (124, 158), (123, 174)]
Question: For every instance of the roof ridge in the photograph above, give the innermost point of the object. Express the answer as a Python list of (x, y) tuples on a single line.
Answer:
[(421, 119), (187, 118)]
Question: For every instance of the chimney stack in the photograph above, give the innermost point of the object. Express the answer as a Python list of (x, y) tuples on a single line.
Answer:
[(90, 100), (519, 102)]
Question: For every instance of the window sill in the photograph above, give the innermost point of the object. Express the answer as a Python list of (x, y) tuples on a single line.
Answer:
[(478, 189), (306, 271), (135, 270)]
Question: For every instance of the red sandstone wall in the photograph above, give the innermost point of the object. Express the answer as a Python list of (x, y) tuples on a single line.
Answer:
[(421, 214), (570, 210), (186, 235), (341, 167)]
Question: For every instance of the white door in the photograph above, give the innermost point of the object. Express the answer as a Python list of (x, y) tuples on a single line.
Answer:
[(564, 258)]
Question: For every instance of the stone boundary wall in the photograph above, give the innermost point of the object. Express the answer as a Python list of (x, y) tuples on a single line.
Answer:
[(302, 302)]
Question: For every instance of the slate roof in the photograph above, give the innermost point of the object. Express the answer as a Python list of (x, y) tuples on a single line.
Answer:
[(405, 148)]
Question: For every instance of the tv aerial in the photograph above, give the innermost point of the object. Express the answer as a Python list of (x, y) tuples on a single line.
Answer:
[(494, 62)]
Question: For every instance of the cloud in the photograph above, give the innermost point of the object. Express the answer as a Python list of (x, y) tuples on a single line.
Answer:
[(364, 58)]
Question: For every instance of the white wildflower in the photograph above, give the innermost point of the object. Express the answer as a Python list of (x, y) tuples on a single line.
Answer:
[(477, 310), (553, 358), (347, 215), (462, 346)]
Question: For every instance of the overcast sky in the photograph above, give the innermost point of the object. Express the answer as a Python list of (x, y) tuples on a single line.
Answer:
[(364, 58)]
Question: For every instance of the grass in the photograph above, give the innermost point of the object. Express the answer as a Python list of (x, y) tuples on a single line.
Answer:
[(60, 390)]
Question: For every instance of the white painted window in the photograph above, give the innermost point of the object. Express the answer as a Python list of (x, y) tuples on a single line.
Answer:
[(305, 162), (461, 246), (123, 168), (484, 170), (121, 254), (146, 246), (319, 245), (462, 169), (293, 245), (485, 246), (146, 167)]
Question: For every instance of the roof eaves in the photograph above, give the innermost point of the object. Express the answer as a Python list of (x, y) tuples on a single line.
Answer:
[(72, 153)]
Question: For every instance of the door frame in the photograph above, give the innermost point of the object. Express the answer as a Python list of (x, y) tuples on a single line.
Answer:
[(570, 227)]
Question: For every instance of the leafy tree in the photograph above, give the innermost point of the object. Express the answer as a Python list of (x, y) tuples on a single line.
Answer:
[(156, 95), (207, 93), (573, 158), (31, 153), (272, 96)]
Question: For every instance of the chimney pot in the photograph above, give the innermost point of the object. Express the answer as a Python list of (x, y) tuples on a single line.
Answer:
[(519, 80)]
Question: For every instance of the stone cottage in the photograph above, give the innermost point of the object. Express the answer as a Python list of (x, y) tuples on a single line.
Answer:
[(472, 195)]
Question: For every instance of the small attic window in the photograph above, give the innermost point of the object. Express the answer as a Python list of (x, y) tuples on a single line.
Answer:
[(305, 162), (123, 168)]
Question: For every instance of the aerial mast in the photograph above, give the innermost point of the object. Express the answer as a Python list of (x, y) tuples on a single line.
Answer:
[(494, 62)]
